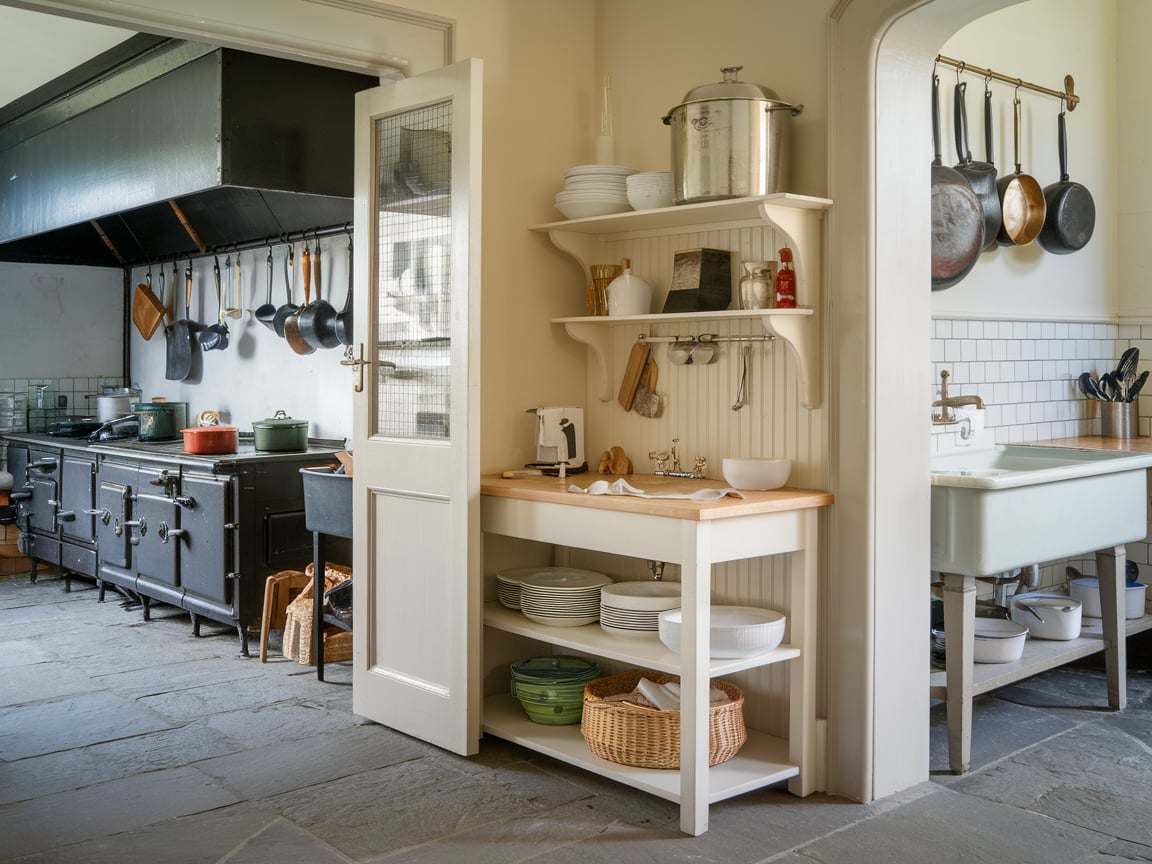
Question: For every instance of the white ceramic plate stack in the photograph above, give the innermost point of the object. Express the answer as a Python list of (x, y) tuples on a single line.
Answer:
[(562, 596), (650, 189), (508, 585), (633, 608), (594, 190)]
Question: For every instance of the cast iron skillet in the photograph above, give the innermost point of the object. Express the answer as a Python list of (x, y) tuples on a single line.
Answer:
[(957, 217), (1071, 212)]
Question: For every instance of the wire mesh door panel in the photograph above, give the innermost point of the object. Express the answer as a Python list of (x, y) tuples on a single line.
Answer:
[(413, 273)]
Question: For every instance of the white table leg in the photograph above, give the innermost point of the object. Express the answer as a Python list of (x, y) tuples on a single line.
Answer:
[(695, 592), (802, 670), (959, 628), (1110, 570)]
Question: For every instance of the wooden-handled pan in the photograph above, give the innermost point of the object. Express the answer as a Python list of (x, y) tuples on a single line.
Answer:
[(181, 335), (957, 217), (1071, 212), (292, 332), (1022, 205), (980, 175)]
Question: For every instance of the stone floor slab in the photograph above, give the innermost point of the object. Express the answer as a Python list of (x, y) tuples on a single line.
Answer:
[(282, 842)]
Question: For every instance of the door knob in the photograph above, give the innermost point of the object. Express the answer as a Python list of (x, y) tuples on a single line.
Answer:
[(357, 363)]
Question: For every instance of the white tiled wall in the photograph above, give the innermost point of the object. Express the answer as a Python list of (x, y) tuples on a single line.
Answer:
[(1025, 372)]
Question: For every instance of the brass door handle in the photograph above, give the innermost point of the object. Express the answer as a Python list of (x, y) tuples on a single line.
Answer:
[(358, 363)]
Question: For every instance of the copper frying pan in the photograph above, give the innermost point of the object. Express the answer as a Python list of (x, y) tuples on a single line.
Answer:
[(1022, 207)]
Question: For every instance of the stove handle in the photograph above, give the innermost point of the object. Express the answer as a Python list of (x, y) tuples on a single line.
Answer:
[(185, 501), (103, 513), (118, 530), (19, 495), (165, 532), (48, 464), (65, 516)]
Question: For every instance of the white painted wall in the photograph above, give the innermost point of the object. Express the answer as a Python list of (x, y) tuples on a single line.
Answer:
[(60, 322), (1041, 41), (1133, 168)]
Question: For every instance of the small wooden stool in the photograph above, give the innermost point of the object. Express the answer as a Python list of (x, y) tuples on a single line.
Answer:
[(279, 590)]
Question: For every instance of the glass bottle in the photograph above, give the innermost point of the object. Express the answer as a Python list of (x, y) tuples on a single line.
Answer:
[(785, 281), (756, 286)]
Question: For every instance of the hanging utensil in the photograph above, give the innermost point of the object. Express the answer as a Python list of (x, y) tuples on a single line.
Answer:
[(980, 175), (289, 309), (343, 322), (232, 305), (292, 332), (148, 310), (957, 217), (648, 403), (1071, 212), (180, 335), (266, 312), (215, 336), (317, 320), (1022, 204), (742, 389)]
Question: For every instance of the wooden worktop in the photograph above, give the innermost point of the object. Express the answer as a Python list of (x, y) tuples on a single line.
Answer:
[(555, 491), (1096, 442)]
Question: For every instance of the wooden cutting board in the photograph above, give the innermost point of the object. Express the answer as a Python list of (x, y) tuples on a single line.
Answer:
[(637, 360), (147, 310)]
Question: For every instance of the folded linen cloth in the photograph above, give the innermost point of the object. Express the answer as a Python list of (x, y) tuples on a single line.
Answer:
[(664, 697), (623, 487)]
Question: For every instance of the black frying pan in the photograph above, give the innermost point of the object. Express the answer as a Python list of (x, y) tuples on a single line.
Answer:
[(980, 175), (1071, 215), (957, 217)]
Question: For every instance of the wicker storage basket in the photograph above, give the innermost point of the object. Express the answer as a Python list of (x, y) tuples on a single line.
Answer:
[(298, 623), (647, 737)]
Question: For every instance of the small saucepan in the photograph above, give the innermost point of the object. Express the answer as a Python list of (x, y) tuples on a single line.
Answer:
[(1071, 212), (211, 439)]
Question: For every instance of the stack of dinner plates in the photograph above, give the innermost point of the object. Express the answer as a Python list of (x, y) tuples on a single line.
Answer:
[(508, 585), (633, 608), (562, 596), (594, 190)]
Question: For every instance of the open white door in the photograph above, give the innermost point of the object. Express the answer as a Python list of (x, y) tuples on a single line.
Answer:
[(418, 598)]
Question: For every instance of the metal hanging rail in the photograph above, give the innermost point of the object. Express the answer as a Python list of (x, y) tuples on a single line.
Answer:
[(1068, 95), (704, 339)]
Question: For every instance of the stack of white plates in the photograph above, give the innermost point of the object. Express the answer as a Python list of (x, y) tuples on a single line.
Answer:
[(508, 585), (633, 608), (562, 596), (649, 190), (594, 190)]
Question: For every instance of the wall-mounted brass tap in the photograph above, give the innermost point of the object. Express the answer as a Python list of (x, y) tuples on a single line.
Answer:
[(946, 403)]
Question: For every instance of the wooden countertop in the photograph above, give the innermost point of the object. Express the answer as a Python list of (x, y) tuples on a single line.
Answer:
[(1096, 442), (553, 490)]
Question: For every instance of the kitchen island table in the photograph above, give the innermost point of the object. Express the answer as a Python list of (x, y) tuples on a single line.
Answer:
[(694, 534)]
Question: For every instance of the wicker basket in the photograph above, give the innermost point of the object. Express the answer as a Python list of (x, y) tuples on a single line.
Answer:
[(298, 623), (647, 737)]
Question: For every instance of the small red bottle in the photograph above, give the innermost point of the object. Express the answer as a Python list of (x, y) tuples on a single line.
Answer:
[(785, 281)]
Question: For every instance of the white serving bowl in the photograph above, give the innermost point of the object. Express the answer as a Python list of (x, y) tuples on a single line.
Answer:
[(649, 190), (736, 631), (1057, 616), (1087, 590), (583, 209), (998, 641), (647, 596), (756, 474)]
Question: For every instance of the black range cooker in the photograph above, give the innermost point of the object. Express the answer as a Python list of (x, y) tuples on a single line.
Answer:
[(200, 532)]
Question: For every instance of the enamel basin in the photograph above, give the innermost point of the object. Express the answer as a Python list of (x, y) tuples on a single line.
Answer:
[(999, 508)]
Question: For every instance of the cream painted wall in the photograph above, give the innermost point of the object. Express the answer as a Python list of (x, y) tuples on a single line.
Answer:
[(1042, 41), (1134, 184)]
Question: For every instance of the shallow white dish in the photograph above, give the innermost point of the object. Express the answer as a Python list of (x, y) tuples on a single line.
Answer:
[(998, 641), (564, 579), (641, 596), (755, 474), (587, 209), (736, 631), (1087, 591)]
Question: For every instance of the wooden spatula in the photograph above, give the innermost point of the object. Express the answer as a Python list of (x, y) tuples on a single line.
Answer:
[(637, 360)]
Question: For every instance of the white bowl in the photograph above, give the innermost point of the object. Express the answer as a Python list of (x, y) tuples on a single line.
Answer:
[(1057, 616), (736, 631), (998, 641), (1087, 591), (648, 596), (646, 198), (756, 474), (586, 209)]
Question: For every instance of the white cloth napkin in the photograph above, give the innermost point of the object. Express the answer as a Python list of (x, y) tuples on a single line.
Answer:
[(623, 487), (665, 697)]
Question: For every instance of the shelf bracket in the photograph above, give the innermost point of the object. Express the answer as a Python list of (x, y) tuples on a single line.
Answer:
[(598, 338), (799, 334)]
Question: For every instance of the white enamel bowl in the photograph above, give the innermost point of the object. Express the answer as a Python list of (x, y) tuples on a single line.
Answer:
[(998, 641), (1087, 591), (754, 474), (736, 631)]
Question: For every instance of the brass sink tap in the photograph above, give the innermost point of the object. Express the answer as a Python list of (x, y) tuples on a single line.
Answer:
[(945, 403), (662, 458)]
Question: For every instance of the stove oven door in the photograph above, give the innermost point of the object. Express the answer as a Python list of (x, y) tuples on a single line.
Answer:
[(157, 551), (206, 569), (78, 497), (114, 503)]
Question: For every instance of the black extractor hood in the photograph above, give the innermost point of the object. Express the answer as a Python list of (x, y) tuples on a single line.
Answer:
[(160, 146)]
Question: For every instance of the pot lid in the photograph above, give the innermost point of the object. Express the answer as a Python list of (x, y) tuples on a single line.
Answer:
[(279, 421), (730, 88)]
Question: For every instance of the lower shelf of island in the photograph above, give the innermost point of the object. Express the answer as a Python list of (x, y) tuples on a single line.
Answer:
[(1039, 656), (762, 761), (646, 652)]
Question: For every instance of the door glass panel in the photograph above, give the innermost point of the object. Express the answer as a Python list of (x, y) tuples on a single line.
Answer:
[(413, 254)]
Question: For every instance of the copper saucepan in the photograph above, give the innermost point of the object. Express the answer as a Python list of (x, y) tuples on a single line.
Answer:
[(1022, 207)]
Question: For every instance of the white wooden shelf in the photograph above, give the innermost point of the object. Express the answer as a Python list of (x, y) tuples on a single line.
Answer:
[(795, 326), (647, 652), (762, 761), (800, 218), (1039, 655)]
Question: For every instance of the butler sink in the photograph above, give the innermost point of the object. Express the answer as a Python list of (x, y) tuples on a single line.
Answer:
[(999, 508)]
